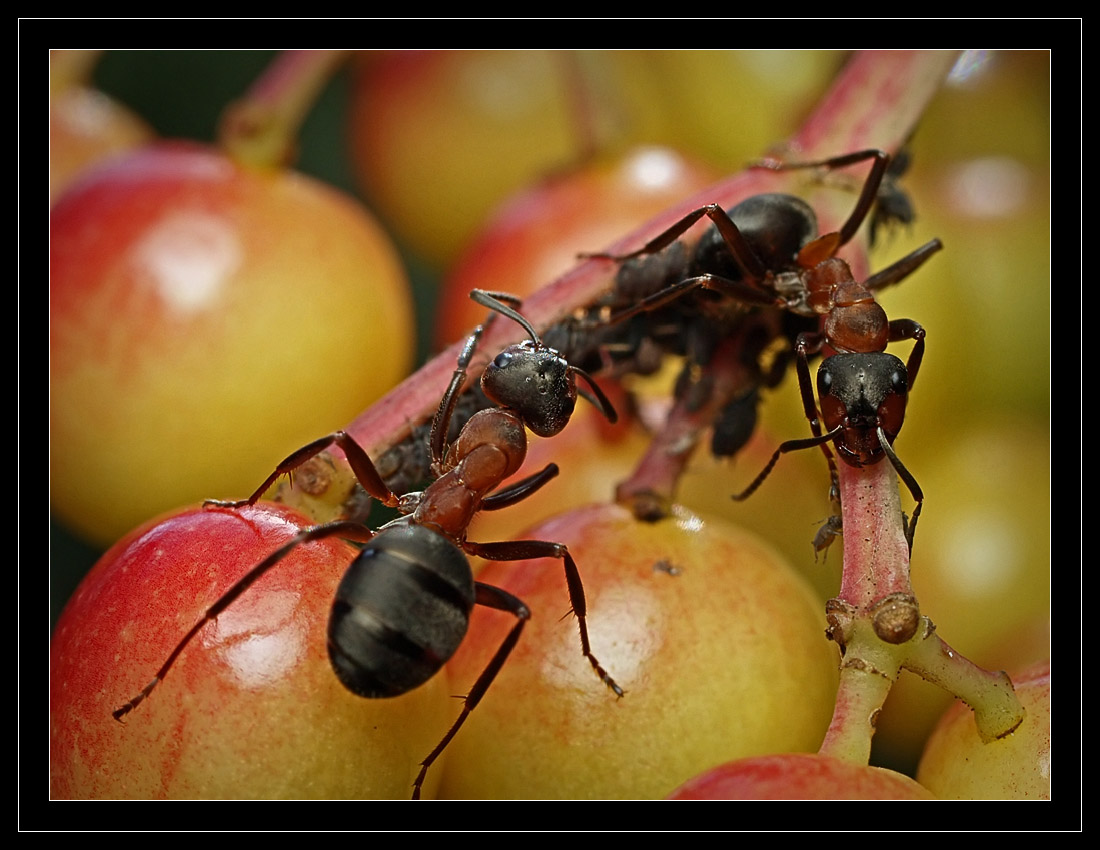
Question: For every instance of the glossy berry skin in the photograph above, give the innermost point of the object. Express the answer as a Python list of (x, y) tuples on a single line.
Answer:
[(716, 643), (799, 776), (205, 318), (252, 709), (86, 128)]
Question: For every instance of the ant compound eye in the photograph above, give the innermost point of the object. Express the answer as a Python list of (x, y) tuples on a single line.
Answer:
[(503, 360), (824, 382)]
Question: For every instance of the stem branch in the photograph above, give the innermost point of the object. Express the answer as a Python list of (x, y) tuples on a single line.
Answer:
[(261, 128), (877, 623)]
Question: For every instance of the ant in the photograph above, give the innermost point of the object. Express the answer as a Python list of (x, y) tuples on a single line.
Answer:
[(764, 252), (862, 389), (380, 642)]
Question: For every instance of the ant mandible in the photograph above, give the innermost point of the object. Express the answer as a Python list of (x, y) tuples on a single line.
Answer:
[(773, 258), (379, 641)]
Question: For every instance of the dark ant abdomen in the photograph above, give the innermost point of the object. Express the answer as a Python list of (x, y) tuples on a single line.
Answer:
[(401, 610), (775, 226), (642, 276)]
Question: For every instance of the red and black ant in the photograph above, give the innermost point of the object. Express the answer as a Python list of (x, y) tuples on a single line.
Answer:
[(764, 252), (862, 389), (380, 642)]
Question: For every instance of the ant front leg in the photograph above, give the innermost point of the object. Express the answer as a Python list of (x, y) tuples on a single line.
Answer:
[(743, 254), (501, 600), (347, 530), (520, 490), (525, 550), (908, 329), (358, 460), (812, 344), (914, 488), (868, 194), (897, 272)]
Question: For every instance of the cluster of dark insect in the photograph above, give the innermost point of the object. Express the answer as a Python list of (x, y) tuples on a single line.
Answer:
[(760, 274), (741, 291), (765, 253)]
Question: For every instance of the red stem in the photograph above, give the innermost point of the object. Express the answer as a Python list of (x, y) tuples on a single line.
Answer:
[(876, 555)]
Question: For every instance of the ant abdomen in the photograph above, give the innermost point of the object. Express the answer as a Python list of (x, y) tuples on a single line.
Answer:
[(401, 611), (775, 226)]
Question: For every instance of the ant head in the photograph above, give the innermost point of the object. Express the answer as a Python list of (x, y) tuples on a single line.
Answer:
[(534, 381), (862, 392)]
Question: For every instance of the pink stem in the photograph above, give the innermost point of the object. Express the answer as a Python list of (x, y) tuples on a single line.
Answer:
[(877, 623), (876, 555)]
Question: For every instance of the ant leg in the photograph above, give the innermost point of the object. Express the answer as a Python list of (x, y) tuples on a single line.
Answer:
[(736, 289), (908, 329), (910, 482), (490, 597), (523, 550), (805, 345), (868, 194), (347, 530), (358, 459), (742, 252), (788, 446), (901, 269), (441, 424), (520, 490)]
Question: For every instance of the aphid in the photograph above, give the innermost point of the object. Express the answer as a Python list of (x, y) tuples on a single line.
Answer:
[(403, 605)]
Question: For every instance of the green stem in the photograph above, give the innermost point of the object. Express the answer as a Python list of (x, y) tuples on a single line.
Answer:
[(877, 623), (261, 128), (867, 673), (997, 710)]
